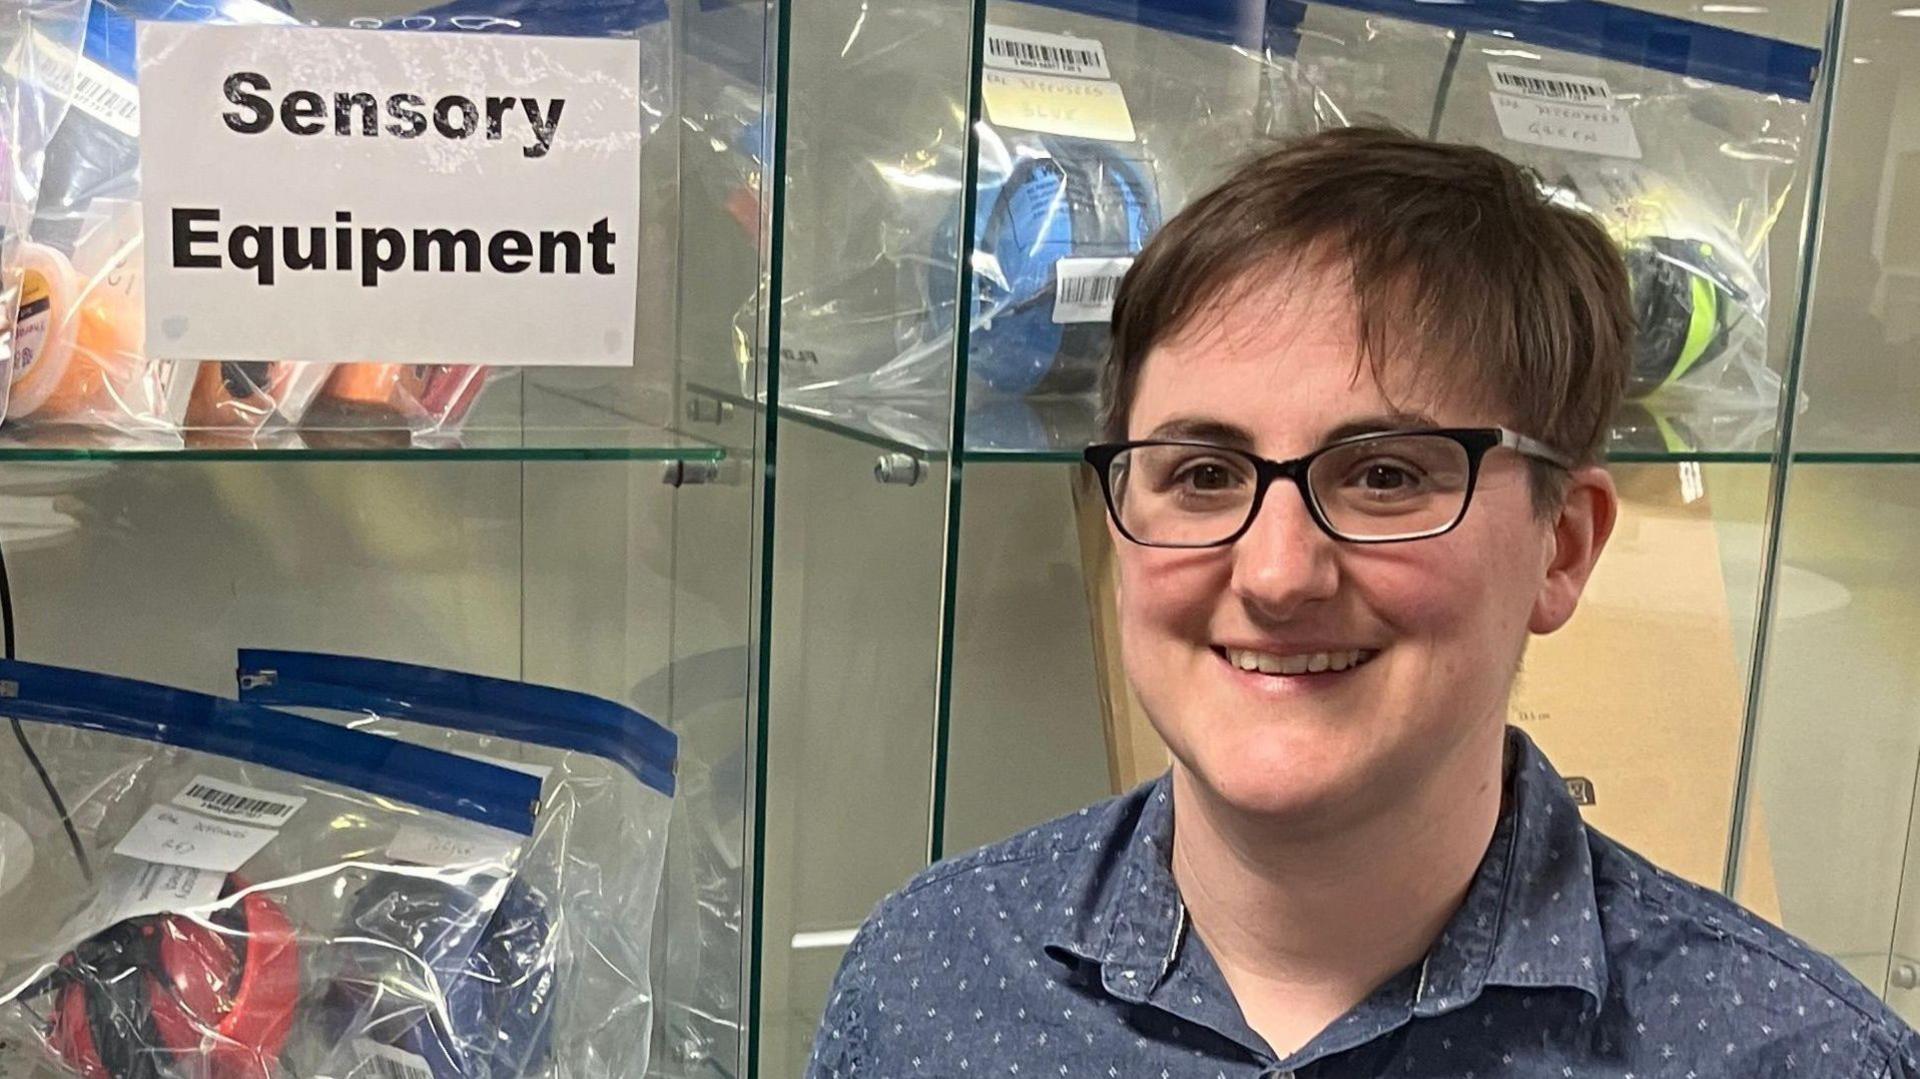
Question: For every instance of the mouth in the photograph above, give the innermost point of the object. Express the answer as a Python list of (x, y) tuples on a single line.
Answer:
[(1298, 665)]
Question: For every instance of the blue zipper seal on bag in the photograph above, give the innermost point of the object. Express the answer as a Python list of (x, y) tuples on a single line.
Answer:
[(498, 707), (1607, 31), (419, 776), (1591, 28)]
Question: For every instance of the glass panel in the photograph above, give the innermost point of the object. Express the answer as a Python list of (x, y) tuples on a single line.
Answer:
[(875, 136), (855, 622), (1836, 749), (1836, 745), (1861, 391)]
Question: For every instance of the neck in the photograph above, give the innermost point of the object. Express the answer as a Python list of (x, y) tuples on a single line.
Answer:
[(1306, 921)]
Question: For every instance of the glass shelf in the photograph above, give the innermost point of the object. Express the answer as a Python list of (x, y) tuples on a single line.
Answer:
[(514, 422), (1011, 430)]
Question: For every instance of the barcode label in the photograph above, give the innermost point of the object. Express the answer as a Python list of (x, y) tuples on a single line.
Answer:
[(219, 798), (1564, 112), (1552, 86), (385, 1062), (1046, 54), (1085, 287), (93, 89)]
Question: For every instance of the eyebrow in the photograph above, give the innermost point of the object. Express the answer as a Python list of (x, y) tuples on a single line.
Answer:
[(1232, 436), (1381, 424)]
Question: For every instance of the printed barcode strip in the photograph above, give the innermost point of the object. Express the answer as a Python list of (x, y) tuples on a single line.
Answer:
[(1560, 88), (1089, 291), (1045, 55), (388, 1068), (234, 803)]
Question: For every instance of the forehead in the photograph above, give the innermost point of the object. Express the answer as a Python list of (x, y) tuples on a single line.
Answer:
[(1279, 357)]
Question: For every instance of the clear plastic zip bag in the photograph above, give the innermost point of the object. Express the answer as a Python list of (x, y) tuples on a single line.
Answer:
[(221, 891), (595, 859)]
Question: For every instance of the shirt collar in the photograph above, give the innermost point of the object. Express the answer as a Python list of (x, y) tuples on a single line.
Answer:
[(1130, 917), (1530, 919)]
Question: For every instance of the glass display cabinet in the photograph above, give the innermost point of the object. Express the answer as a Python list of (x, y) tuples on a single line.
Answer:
[(596, 528), (1732, 699)]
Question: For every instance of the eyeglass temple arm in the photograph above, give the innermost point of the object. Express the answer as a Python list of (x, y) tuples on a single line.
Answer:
[(1533, 447)]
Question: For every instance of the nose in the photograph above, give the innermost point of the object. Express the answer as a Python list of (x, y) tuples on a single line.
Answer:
[(1284, 562)]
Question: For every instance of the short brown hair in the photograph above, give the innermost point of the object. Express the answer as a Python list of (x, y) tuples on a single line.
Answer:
[(1512, 302)]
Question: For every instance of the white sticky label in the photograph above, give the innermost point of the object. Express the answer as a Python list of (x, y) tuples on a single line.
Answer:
[(106, 97), (385, 1062), (1086, 108), (447, 844), (1551, 85), (1012, 49), (93, 89), (1085, 287), (232, 801), (1561, 111), (173, 836), (143, 888)]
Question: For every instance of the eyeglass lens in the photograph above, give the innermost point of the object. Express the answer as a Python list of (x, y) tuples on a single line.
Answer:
[(1389, 487)]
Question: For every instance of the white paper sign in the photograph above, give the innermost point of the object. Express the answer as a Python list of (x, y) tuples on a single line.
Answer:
[(1013, 49), (219, 798), (173, 836), (1561, 111), (337, 195)]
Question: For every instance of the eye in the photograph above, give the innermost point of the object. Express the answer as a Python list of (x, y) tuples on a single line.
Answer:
[(1387, 478), (1206, 476)]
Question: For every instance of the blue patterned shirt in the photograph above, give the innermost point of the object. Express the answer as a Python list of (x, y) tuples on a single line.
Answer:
[(1066, 952)]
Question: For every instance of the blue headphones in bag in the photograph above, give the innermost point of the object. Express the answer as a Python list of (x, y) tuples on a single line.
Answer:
[(496, 979), (1074, 198)]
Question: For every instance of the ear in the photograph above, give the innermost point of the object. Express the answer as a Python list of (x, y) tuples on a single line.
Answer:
[(1579, 533)]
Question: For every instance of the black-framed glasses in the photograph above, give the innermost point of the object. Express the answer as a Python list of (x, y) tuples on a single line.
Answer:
[(1388, 487)]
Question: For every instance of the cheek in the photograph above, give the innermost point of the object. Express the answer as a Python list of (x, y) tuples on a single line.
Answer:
[(1161, 587), (1447, 591)]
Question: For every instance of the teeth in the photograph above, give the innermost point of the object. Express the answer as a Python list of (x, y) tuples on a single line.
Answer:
[(1314, 663)]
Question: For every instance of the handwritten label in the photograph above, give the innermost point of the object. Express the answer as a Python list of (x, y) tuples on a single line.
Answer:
[(445, 844), (1087, 108), (143, 888), (172, 836)]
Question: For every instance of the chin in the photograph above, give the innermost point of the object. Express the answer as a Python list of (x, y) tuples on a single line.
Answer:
[(1278, 778)]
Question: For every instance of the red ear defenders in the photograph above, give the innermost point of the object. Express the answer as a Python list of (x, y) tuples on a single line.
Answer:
[(173, 997), (152, 992)]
